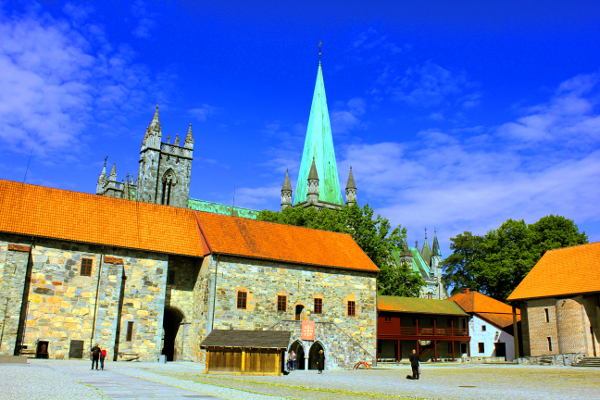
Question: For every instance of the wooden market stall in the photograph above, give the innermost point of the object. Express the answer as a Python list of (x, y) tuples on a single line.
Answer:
[(245, 352)]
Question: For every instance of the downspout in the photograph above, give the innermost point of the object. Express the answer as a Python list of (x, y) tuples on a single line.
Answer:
[(24, 302), (96, 300)]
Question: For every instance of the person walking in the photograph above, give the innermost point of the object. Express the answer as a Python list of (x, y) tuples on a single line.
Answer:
[(103, 353), (95, 353), (414, 365), (321, 361)]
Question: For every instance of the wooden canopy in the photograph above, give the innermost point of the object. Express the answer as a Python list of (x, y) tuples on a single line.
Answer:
[(243, 339)]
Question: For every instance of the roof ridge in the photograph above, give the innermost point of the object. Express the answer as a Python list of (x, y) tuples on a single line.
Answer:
[(572, 246)]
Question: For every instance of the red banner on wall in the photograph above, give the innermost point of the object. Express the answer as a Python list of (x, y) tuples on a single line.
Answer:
[(307, 330)]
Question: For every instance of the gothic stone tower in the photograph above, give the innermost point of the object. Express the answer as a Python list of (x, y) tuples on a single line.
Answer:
[(165, 168)]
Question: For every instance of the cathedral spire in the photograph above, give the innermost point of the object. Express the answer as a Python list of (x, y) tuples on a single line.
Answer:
[(318, 146), (435, 251), (286, 192), (426, 250), (113, 172), (350, 188)]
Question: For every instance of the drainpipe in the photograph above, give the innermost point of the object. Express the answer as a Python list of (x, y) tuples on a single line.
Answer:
[(96, 300)]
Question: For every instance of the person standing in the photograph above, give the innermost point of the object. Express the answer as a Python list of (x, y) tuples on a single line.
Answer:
[(95, 353), (414, 365), (292, 360), (103, 353), (321, 361)]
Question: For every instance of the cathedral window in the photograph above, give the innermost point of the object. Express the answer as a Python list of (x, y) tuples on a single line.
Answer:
[(86, 267), (169, 180), (351, 308), (281, 303), (318, 305), (242, 297)]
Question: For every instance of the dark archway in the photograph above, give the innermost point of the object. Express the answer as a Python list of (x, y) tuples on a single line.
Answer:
[(299, 350), (171, 322), (298, 312), (313, 355)]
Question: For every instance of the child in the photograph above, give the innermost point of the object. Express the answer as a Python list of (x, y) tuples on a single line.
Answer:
[(102, 357)]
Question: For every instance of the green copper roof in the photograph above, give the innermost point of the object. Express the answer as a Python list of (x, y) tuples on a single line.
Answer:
[(435, 251), (417, 263), (318, 144), (217, 208)]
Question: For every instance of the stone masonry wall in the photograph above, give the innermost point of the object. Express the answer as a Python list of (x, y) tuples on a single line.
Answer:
[(13, 267), (301, 284), (539, 329), (181, 297), (573, 325), (61, 303)]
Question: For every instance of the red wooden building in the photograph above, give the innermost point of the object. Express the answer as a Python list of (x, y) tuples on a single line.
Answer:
[(437, 329)]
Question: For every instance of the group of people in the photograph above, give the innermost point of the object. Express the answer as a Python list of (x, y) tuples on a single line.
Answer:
[(292, 361), (98, 354)]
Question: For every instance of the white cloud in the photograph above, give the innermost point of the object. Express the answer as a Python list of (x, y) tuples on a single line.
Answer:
[(145, 20), (346, 118), (57, 79), (257, 197), (474, 181), (202, 112)]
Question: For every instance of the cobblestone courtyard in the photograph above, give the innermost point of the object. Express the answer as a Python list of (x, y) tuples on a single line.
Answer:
[(43, 379)]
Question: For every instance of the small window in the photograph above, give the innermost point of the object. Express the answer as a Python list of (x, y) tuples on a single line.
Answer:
[(171, 277), (547, 315), (351, 308), (549, 343), (86, 267), (129, 337), (318, 306), (242, 297), (483, 328), (481, 347), (281, 303), (387, 319)]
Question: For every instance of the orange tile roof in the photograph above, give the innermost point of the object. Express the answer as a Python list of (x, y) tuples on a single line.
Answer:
[(488, 308), (81, 217), (270, 241), (560, 272)]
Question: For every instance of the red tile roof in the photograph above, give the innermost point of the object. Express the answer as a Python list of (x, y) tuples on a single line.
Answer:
[(270, 241), (80, 217), (490, 309), (562, 272)]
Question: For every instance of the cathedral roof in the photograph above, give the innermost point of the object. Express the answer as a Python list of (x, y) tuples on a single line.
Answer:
[(426, 252), (562, 272), (318, 145), (37, 211)]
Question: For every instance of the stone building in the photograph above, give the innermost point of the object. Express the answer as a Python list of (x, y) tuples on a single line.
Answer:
[(143, 279), (490, 326), (560, 303)]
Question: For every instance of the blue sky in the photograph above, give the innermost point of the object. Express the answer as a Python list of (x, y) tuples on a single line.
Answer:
[(454, 116)]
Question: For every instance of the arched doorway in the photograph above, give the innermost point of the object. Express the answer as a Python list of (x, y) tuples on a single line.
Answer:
[(171, 322), (299, 350), (313, 355), (299, 309)]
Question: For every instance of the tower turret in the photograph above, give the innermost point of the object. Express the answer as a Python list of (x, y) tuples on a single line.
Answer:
[(189, 138), (313, 184), (101, 179), (350, 189), (286, 192), (153, 135)]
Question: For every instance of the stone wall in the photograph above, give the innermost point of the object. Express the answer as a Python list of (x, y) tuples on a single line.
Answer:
[(62, 305), (13, 266), (301, 284), (571, 326)]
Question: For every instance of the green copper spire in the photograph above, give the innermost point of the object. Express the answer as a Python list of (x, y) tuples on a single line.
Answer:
[(318, 144)]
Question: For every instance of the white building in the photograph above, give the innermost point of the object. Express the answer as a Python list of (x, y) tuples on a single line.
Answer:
[(490, 325)]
